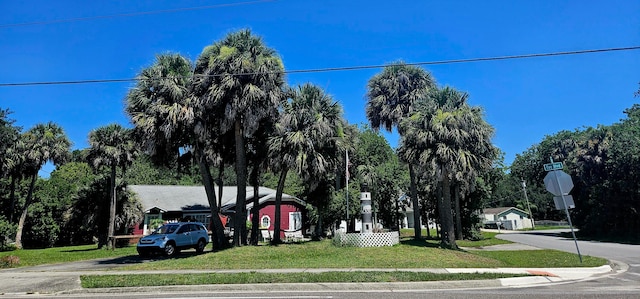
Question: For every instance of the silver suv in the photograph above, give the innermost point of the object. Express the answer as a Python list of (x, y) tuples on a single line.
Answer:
[(170, 238)]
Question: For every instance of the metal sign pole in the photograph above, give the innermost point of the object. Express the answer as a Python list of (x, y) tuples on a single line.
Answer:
[(566, 210)]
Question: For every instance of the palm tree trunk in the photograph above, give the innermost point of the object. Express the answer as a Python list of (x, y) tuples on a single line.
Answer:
[(319, 229), (239, 220), (218, 240), (278, 213), (112, 208), (397, 215), (416, 208), (438, 209), (220, 182), (255, 210), (458, 215), (23, 216), (448, 233), (13, 198), (425, 213)]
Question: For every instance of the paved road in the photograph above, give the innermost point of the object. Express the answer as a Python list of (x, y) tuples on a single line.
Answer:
[(551, 239), (625, 255)]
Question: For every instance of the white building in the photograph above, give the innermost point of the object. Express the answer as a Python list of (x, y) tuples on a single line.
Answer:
[(509, 217)]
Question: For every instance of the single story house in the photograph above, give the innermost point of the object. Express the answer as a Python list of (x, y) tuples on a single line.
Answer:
[(510, 218), (163, 203)]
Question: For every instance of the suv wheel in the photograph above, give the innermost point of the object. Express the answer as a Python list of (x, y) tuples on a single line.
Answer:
[(170, 249), (200, 246)]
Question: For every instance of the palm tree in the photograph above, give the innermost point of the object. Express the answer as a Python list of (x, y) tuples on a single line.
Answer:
[(391, 97), (112, 146), (43, 143), (454, 141), (242, 78), (163, 110), (308, 129)]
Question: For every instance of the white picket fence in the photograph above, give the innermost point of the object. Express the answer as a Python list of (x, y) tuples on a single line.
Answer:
[(366, 239)]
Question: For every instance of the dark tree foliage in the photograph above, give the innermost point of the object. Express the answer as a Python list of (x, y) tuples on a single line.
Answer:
[(603, 163)]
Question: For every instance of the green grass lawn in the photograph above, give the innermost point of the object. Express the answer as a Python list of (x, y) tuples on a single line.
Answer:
[(489, 239), (409, 254), (104, 281), (33, 257)]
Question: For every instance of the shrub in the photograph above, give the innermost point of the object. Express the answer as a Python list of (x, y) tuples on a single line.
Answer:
[(9, 261)]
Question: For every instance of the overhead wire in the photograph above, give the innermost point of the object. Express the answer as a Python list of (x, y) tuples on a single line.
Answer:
[(132, 14), (345, 68)]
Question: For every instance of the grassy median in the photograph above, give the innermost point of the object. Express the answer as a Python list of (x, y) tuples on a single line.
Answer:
[(104, 281)]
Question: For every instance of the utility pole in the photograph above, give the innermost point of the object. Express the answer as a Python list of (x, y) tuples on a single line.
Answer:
[(346, 195), (524, 189)]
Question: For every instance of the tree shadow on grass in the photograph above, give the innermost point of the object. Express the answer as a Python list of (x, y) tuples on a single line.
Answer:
[(81, 250), (419, 243)]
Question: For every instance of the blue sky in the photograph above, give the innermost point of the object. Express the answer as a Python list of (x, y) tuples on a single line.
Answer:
[(523, 99)]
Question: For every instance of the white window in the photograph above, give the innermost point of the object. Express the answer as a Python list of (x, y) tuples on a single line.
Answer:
[(295, 221), (265, 222)]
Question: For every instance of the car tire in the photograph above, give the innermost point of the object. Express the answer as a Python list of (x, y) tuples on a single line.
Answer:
[(170, 250), (200, 246)]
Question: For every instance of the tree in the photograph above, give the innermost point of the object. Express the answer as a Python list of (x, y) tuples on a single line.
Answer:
[(61, 192), (309, 128), (453, 140), (43, 143), (167, 118), (11, 156), (8, 137), (243, 78), (112, 146), (391, 96), (378, 166)]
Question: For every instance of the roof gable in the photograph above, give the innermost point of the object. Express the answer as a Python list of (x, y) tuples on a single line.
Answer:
[(504, 211)]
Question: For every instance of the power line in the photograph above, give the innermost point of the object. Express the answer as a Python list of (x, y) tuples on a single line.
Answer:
[(132, 14), (346, 68)]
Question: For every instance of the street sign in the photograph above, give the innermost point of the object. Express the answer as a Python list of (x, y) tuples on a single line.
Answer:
[(553, 166), (560, 184), (558, 180), (560, 203)]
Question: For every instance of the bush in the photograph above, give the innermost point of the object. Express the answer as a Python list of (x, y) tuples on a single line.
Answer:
[(7, 230), (9, 261)]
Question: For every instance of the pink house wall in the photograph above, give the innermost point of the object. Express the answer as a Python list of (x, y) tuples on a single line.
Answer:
[(270, 210)]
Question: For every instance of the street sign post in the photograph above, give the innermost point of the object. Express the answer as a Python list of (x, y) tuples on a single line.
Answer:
[(559, 183)]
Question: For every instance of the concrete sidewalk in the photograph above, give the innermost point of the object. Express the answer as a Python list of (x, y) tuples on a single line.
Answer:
[(45, 280)]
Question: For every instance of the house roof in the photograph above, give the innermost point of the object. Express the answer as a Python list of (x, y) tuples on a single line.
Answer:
[(194, 198), (504, 210)]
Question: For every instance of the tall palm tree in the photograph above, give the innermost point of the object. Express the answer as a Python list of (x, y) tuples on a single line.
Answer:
[(310, 125), (43, 143), (453, 140), (163, 110), (112, 146), (243, 78), (391, 97)]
